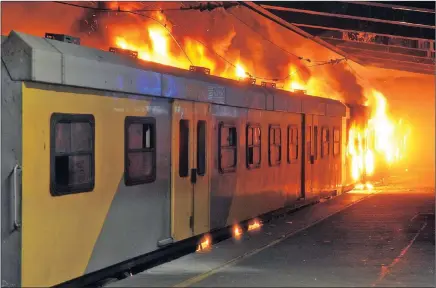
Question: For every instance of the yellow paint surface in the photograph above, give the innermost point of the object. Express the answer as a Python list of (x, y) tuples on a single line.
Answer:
[(59, 233)]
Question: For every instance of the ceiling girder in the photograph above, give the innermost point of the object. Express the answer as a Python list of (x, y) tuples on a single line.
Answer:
[(359, 31), (379, 47), (342, 16)]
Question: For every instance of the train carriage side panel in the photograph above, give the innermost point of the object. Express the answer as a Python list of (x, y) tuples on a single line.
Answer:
[(77, 233), (269, 181), (141, 206), (11, 156), (227, 148)]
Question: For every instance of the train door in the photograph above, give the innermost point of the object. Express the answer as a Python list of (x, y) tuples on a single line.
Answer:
[(189, 169), (202, 156), (307, 162)]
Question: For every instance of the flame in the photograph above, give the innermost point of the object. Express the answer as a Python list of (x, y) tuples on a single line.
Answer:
[(381, 138), (254, 225), (205, 244), (240, 71), (237, 232), (295, 82), (159, 47)]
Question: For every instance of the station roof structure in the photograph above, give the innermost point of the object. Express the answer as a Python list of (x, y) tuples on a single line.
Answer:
[(391, 35)]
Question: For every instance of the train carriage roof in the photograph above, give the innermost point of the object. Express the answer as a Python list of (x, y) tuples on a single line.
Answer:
[(31, 58)]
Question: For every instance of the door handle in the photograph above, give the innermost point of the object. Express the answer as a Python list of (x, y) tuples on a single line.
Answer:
[(312, 159), (193, 175), (17, 221)]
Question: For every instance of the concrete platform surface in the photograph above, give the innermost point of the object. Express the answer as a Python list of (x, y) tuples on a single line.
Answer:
[(359, 239)]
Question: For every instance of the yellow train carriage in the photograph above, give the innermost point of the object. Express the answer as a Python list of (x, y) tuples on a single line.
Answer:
[(106, 158)]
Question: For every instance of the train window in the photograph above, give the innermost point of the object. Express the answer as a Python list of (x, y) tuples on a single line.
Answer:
[(72, 154), (336, 141), (201, 148), (140, 150), (315, 142), (253, 146), (275, 145), (227, 157), (184, 148), (325, 138), (292, 144)]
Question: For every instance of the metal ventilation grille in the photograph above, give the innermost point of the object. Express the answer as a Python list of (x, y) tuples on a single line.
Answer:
[(63, 38)]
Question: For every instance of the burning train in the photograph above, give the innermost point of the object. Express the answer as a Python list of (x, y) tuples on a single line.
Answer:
[(106, 157)]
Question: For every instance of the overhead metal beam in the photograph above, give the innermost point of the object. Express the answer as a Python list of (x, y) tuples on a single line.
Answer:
[(385, 46), (343, 16), (393, 57), (357, 31), (384, 59), (391, 6), (407, 68), (265, 13), (366, 51)]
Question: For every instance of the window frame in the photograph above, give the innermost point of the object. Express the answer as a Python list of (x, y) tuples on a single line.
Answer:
[(55, 189), (274, 127), (130, 181), (336, 142), (325, 131), (289, 138), (247, 146), (220, 148)]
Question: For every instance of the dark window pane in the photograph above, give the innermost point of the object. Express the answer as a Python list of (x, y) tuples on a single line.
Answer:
[(256, 136), (135, 135), (63, 137), (61, 170), (336, 148), (224, 134), (81, 137), (250, 155), (227, 149), (232, 136), (294, 152), (228, 158), (139, 164), (336, 135), (79, 169), (277, 135), (201, 147), (250, 136), (184, 148), (295, 136), (256, 155)]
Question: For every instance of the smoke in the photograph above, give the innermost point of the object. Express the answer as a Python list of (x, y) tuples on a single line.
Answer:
[(224, 34)]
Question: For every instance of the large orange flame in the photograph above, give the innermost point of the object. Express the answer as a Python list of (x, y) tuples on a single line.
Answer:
[(381, 138)]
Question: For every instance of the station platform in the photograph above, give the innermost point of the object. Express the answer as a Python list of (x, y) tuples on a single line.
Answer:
[(380, 238)]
